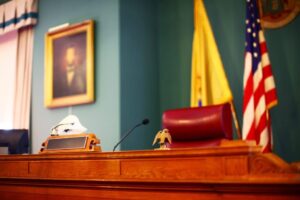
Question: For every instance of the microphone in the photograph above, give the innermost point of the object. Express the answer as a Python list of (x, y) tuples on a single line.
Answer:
[(58, 125), (144, 122)]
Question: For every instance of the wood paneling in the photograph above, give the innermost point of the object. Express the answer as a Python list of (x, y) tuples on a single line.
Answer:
[(228, 172), (74, 169), (169, 169), (14, 169)]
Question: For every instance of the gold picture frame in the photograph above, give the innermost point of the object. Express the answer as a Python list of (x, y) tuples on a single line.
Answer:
[(69, 65)]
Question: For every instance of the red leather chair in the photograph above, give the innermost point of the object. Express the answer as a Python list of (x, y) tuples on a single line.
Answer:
[(198, 127)]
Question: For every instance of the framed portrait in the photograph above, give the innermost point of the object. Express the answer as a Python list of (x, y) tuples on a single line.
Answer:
[(69, 65)]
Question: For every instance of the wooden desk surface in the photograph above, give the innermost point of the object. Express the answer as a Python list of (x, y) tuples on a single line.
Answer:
[(233, 171)]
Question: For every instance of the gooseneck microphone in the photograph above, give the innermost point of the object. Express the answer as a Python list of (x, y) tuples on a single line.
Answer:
[(58, 125), (144, 122)]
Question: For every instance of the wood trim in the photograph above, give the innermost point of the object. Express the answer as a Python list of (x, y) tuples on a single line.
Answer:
[(226, 172)]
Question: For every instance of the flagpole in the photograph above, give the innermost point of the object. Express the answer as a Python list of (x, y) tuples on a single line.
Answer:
[(236, 122)]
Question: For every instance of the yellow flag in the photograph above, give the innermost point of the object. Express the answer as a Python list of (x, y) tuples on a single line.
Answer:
[(209, 84)]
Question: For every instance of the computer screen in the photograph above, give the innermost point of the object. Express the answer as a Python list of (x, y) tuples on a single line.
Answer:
[(15, 140)]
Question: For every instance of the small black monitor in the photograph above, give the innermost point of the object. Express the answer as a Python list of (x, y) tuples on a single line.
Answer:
[(16, 140)]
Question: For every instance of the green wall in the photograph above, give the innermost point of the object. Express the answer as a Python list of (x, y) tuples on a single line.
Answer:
[(227, 20), (139, 71), (283, 47), (103, 117), (175, 37)]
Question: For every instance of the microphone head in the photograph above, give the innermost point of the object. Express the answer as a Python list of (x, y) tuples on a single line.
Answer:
[(145, 121)]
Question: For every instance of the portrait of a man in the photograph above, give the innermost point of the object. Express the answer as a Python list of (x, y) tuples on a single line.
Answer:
[(69, 65)]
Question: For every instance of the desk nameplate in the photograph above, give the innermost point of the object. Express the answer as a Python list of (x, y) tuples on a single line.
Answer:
[(67, 143), (71, 143)]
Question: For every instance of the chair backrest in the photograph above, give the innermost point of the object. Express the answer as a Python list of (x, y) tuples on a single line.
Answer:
[(197, 127), (15, 139)]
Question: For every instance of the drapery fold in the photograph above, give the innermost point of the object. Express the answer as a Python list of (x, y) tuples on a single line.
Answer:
[(22, 90), (17, 14), (8, 55)]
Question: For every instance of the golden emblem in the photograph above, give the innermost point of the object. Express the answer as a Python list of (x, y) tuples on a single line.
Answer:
[(163, 137), (277, 13)]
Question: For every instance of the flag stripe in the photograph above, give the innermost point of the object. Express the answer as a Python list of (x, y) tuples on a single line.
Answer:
[(259, 109), (257, 77), (248, 64), (248, 93), (269, 83), (267, 71), (271, 98), (249, 117), (251, 133), (265, 59), (263, 48), (258, 97)]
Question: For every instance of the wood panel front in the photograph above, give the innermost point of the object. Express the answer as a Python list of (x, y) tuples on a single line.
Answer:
[(169, 169), (228, 172), (14, 169), (71, 169)]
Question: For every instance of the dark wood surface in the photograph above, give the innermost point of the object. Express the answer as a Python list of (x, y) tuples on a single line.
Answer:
[(236, 170)]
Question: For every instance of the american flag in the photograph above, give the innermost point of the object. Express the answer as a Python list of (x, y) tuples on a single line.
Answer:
[(259, 87)]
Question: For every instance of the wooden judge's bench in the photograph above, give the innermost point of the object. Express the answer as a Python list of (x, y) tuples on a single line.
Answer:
[(235, 170)]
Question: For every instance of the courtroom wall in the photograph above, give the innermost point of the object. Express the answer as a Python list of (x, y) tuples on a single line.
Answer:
[(139, 71), (175, 37), (103, 117), (228, 22)]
